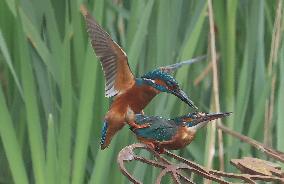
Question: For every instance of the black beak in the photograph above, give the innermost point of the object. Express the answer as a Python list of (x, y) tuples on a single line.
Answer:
[(201, 119), (182, 95), (206, 117), (213, 116)]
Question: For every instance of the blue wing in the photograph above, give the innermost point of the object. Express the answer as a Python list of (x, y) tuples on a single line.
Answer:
[(160, 129)]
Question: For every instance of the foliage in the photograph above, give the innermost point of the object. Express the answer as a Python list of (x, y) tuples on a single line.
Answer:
[(52, 99)]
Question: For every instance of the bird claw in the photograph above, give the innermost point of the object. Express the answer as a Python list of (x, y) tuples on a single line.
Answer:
[(160, 150), (151, 146), (135, 126), (155, 148)]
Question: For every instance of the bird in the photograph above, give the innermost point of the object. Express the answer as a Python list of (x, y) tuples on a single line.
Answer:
[(128, 91), (170, 134)]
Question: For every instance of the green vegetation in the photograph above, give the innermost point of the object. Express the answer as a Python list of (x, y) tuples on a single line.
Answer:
[(52, 100)]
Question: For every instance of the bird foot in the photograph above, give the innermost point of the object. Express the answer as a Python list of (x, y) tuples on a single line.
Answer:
[(155, 148), (135, 126), (151, 146), (160, 150)]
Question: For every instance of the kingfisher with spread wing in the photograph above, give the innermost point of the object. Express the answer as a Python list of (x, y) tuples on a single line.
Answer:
[(173, 133), (128, 91)]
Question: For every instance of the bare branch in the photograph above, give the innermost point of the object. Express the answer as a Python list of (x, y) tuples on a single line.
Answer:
[(127, 154), (261, 147)]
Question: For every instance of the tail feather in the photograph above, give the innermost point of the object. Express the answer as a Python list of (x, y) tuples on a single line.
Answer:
[(107, 134), (104, 133)]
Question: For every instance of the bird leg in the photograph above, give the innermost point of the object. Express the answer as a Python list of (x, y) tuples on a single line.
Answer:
[(135, 126), (155, 147), (159, 150), (150, 145), (130, 119)]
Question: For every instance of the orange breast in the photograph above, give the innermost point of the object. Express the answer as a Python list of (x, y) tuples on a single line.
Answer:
[(183, 137), (136, 98)]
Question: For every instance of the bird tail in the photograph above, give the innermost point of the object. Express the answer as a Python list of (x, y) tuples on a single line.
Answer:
[(105, 140), (107, 135)]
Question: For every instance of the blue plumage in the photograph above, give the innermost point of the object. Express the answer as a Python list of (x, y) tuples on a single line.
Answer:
[(181, 119), (158, 74), (163, 82), (160, 129), (104, 131)]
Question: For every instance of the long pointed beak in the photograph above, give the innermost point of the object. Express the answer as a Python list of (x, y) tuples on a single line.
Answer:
[(203, 118), (183, 96)]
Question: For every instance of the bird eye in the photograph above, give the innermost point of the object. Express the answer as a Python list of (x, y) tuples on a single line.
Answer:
[(172, 87)]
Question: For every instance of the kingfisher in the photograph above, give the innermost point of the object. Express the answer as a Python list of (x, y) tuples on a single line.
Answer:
[(170, 134), (120, 83)]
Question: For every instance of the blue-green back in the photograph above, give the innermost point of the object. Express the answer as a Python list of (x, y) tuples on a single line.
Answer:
[(160, 129)]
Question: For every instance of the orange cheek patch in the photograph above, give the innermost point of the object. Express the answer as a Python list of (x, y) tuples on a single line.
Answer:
[(160, 82), (187, 119)]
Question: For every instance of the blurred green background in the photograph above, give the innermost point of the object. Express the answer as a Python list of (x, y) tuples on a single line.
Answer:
[(52, 100)]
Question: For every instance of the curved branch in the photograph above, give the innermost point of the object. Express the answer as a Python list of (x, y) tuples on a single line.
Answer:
[(127, 154)]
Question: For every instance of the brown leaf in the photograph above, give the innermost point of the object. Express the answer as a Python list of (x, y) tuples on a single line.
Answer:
[(255, 166)]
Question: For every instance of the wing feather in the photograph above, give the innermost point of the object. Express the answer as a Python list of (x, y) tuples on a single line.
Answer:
[(113, 59), (160, 129)]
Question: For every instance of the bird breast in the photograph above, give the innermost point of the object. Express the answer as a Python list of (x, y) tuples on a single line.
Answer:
[(186, 135), (136, 98), (182, 138)]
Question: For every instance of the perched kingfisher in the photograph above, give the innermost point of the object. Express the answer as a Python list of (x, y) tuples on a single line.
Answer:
[(128, 91), (173, 133)]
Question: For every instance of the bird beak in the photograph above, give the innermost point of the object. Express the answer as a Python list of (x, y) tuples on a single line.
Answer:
[(183, 96), (203, 118)]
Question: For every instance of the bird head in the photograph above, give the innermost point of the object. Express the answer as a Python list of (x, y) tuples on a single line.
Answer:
[(163, 82), (198, 120)]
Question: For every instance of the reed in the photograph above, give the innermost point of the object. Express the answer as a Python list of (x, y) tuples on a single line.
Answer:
[(52, 100)]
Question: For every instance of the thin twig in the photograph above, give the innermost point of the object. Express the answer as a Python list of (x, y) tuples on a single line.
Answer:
[(261, 147)]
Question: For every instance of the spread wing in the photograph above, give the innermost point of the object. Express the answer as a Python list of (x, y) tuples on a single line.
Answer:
[(118, 76)]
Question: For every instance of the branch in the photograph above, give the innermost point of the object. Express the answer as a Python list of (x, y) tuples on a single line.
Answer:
[(278, 155), (175, 170)]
